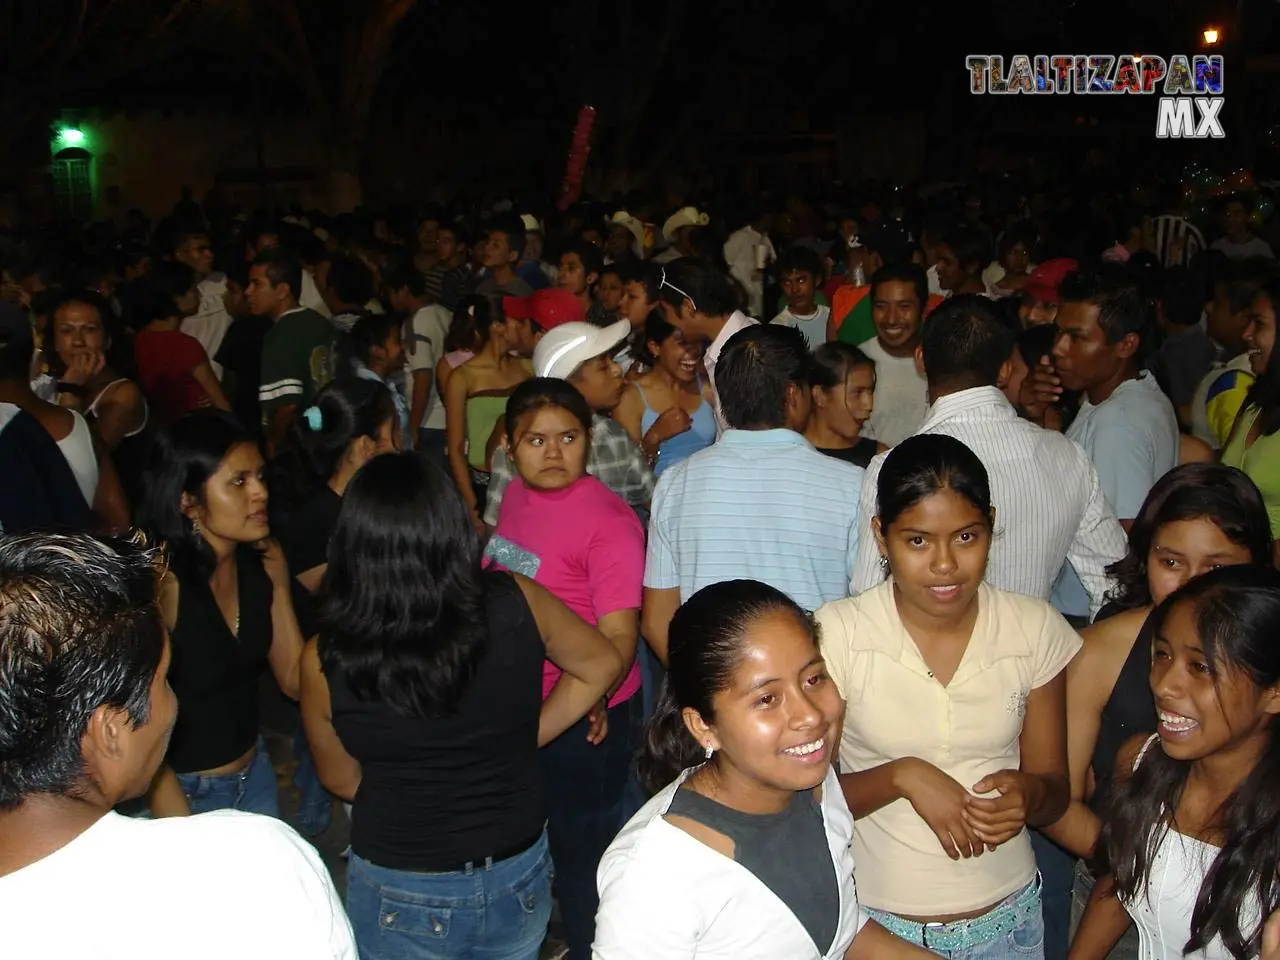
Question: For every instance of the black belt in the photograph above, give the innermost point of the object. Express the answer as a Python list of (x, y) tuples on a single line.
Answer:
[(506, 854)]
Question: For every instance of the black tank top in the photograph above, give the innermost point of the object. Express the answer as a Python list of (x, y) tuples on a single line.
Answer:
[(215, 673), (436, 793), (1130, 709)]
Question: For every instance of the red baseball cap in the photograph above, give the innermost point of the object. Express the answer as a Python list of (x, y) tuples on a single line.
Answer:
[(547, 308), (1047, 277)]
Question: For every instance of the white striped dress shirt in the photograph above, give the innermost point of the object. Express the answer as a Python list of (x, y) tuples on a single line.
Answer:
[(1049, 505)]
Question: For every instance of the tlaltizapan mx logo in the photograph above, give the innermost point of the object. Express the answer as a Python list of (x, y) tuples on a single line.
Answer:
[(1189, 88)]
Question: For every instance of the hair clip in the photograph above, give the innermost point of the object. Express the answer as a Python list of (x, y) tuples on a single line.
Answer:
[(315, 418)]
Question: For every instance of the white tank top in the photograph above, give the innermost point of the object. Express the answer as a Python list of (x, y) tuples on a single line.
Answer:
[(1163, 915), (77, 447)]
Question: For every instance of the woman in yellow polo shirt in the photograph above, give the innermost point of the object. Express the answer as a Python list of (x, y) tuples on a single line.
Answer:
[(955, 736)]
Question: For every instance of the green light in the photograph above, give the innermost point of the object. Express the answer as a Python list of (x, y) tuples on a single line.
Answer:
[(72, 137)]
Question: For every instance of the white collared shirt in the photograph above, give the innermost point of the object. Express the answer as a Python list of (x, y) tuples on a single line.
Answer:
[(1049, 504), (665, 895), (737, 321)]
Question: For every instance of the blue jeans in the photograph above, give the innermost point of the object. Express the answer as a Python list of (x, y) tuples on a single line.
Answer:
[(252, 789), (490, 911), (1023, 942), (1057, 873), (587, 799), (315, 803)]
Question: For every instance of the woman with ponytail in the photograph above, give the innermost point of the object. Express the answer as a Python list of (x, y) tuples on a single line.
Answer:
[(744, 851), (1191, 833)]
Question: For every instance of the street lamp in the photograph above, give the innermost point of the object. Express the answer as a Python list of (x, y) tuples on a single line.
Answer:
[(72, 136), (1211, 36)]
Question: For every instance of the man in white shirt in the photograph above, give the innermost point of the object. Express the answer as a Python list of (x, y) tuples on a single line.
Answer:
[(702, 303), (425, 332), (1048, 502), (748, 252), (898, 295), (77, 606), (210, 322)]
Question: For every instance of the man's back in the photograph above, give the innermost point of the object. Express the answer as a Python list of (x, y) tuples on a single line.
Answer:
[(759, 504), (151, 889), (1049, 506)]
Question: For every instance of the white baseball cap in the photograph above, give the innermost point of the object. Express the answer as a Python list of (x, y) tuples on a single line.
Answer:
[(565, 348)]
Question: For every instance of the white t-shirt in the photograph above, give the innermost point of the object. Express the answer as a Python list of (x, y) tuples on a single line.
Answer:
[(902, 396), (813, 326), (424, 346), (209, 324), (208, 887)]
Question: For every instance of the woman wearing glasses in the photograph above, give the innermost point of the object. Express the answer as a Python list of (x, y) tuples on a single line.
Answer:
[(704, 304)]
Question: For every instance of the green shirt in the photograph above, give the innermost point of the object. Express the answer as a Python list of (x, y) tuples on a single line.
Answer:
[(297, 360)]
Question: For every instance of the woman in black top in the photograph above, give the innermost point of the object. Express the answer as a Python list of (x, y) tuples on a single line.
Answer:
[(422, 705), (226, 604), (1198, 517), (843, 382), (351, 422)]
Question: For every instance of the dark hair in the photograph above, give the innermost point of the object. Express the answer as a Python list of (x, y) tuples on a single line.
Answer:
[(90, 298), (899, 272), (800, 259), (1240, 281), (924, 464), (402, 276), (969, 244), (642, 272), (613, 268), (158, 290), (351, 280), (1023, 232), (1265, 392), (513, 229), (1221, 494), (185, 455), (831, 364), (657, 330), (539, 392), (369, 331), (704, 643), (469, 327), (350, 408), (1237, 616), (753, 373), (964, 344), (588, 254), (17, 345), (1122, 307), (282, 266), (711, 290), (402, 602), (182, 234), (79, 629)]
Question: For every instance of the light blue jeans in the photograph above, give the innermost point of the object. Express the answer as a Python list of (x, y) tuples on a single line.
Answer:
[(490, 911), (252, 789), (1023, 942)]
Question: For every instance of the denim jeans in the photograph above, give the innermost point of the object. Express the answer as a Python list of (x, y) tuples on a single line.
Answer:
[(1127, 948), (652, 674), (490, 911), (315, 803), (435, 445), (1057, 871), (252, 789), (1023, 942), (587, 795)]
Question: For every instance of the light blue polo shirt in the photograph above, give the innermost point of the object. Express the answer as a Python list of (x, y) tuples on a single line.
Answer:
[(757, 505)]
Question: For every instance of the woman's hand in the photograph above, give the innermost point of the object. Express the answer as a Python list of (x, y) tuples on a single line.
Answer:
[(598, 723), (940, 802), (274, 563), (996, 820), (672, 422)]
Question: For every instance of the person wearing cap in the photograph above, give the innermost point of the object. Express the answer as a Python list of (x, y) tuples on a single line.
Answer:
[(503, 248), (531, 268), (759, 504), (582, 354), (1039, 304), (679, 231), (626, 238)]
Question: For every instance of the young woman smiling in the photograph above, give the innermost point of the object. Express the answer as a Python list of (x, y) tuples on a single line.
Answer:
[(745, 850), (955, 739), (566, 530), (227, 606)]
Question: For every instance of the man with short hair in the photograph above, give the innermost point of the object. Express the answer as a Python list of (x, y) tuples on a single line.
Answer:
[(268, 237), (582, 354), (502, 252), (210, 322), (426, 325), (348, 286), (761, 503), (898, 296), (963, 252), (298, 352), (75, 606)]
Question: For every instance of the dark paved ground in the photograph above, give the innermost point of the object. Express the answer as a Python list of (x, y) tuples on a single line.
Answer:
[(279, 720)]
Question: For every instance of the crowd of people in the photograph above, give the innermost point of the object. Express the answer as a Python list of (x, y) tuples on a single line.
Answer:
[(872, 579)]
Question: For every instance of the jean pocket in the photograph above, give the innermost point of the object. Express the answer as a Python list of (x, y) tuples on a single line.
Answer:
[(413, 919), (1027, 938)]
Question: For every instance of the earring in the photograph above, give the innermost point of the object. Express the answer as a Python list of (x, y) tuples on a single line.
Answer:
[(710, 751), (195, 527), (884, 565)]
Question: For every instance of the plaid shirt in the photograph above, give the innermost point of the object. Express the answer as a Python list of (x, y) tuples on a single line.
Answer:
[(614, 459)]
